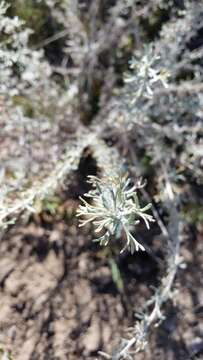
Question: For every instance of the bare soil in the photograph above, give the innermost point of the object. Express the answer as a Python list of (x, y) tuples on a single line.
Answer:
[(58, 300)]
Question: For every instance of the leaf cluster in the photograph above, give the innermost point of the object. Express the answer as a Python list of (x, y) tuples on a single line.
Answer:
[(114, 210)]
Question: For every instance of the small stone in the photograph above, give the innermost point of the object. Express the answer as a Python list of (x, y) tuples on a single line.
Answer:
[(91, 340)]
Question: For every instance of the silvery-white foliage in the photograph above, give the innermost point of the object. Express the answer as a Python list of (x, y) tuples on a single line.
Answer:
[(114, 209)]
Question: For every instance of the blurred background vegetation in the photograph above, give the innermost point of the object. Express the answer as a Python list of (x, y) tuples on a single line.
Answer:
[(71, 75)]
